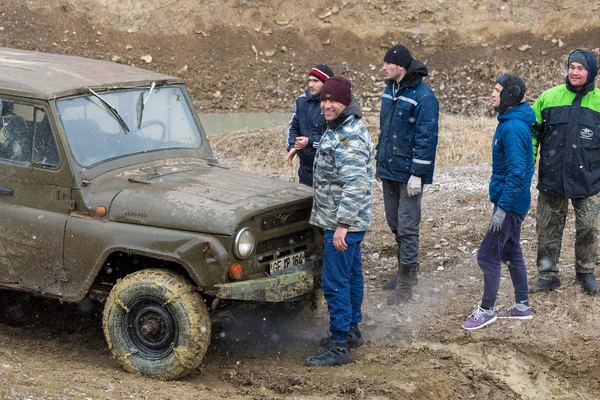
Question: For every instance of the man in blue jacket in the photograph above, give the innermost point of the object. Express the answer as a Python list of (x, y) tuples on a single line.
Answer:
[(512, 169), (405, 159), (307, 124)]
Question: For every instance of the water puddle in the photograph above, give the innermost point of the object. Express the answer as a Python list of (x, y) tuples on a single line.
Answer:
[(217, 124)]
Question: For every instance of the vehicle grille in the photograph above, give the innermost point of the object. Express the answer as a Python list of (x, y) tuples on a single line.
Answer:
[(270, 249), (282, 219)]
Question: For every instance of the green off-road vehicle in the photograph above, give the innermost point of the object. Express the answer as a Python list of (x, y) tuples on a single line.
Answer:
[(109, 190)]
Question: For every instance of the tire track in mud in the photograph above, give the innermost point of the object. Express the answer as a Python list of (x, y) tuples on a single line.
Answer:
[(526, 374)]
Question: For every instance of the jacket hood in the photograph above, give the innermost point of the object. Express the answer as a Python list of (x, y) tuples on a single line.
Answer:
[(351, 109), (196, 197), (523, 112), (592, 71), (414, 74)]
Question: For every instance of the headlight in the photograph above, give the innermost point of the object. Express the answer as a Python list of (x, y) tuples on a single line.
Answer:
[(243, 243)]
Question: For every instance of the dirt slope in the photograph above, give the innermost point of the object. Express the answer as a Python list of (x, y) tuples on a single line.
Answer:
[(50, 350), (253, 55)]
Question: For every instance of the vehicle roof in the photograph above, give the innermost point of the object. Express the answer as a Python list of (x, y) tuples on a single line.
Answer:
[(46, 76)]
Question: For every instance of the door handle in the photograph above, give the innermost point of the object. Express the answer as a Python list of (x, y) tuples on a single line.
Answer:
[(9, 192)]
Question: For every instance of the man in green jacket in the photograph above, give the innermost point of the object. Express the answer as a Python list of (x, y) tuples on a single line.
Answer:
[(567, 131)]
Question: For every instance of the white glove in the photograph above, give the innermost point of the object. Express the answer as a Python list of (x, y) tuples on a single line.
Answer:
[(413, 187)]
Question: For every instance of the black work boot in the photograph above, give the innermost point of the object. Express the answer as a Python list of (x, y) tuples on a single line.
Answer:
[(391, 284), (590, 285), (354, 338), (336, 353), (545, 285), (413, 271), (407, 278)]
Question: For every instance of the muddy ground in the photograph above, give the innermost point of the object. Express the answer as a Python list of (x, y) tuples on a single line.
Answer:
[(418, 350), (241, 55)]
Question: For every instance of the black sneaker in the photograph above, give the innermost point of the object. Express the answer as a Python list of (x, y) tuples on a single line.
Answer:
[(337, 353), (354, 339), (545, 285)]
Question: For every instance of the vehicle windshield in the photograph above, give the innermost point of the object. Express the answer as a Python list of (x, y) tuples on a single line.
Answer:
[(95, 134)]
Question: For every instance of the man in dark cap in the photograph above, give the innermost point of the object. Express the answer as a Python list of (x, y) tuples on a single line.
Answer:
[(307, 124), (343, 180), (512, 170), (405, 159), (567, 131)]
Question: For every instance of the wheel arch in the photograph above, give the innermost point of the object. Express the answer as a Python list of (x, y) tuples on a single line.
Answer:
[(90, 246)]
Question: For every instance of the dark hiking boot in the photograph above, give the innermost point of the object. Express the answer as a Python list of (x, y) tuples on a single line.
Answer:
[(402, 294), (337, 353), (410, 269), (391, 284), (354, 338), (413, 274), (590, 285), (545, 285), (407, 278)]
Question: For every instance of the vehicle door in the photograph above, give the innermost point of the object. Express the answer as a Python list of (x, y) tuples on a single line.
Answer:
[(34, 199)]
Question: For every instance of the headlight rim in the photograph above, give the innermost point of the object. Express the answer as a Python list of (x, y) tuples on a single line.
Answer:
[(236, 242)]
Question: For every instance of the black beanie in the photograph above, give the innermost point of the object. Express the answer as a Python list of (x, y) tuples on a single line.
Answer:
[(338, 89), (322, 72), (398, 55), (512, 93), (578, 56)]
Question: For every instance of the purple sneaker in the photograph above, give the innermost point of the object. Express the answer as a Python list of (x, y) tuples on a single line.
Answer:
[(478, 319), (514, 313)]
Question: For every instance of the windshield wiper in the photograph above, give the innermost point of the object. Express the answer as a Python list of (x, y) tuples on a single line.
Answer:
[(110, 108), (140, 105)]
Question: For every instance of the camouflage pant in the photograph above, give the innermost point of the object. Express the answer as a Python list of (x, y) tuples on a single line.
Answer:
[(550, 218)]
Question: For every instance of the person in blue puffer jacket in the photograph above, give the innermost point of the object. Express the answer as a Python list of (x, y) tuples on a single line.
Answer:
[(405, 159), (307, 124), (510, 192)]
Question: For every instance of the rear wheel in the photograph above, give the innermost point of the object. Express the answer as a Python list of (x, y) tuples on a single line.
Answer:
[(156, 324)]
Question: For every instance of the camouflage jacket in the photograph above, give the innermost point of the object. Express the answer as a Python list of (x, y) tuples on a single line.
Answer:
[(343, 176)]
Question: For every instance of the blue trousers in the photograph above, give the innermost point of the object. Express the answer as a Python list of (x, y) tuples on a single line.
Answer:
[(503, 248), (305, 175), (343, 284)]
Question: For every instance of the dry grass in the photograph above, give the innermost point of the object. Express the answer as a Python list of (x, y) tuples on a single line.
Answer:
[(462, 141)]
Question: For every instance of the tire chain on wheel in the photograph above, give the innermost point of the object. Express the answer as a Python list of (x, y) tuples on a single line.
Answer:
[(173, 290)]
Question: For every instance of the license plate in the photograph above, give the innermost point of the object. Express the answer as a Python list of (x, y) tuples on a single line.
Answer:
[(293, 260)]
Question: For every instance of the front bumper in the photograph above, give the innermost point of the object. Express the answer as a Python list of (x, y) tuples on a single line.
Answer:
[(296, 282)]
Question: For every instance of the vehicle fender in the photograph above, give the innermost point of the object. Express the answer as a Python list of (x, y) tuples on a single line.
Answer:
[(89, 242)]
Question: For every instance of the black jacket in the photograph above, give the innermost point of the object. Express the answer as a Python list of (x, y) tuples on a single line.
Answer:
[(568, 132)]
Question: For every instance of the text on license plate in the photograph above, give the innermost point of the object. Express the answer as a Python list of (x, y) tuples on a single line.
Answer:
[(293, 260)]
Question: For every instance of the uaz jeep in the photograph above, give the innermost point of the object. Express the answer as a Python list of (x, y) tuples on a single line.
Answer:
[(109, 190)]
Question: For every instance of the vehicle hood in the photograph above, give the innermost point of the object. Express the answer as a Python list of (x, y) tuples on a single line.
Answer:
[(201, 198)]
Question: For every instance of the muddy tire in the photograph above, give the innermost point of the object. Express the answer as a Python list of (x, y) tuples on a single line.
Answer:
[(156, 324)]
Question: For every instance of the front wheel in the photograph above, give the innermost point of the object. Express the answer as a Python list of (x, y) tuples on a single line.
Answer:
[(156, 324)]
